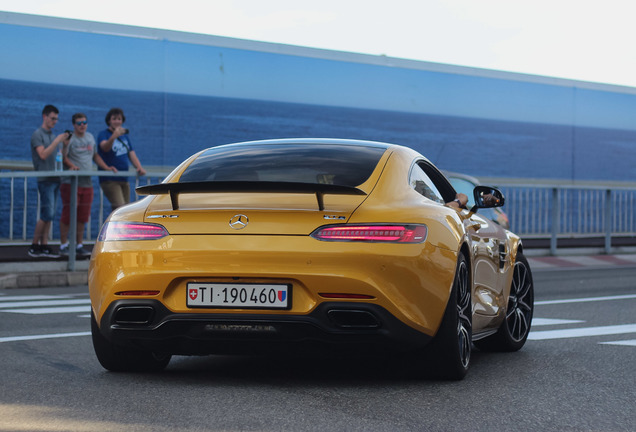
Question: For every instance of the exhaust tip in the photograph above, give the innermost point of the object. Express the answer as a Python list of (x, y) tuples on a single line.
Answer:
[(353, 318), (134, 315)]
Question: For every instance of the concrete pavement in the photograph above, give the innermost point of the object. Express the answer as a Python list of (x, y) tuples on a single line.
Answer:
[(19, 270)]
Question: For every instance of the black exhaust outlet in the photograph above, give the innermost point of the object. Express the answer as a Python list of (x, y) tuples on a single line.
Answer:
[(134, 315), (353, 318)]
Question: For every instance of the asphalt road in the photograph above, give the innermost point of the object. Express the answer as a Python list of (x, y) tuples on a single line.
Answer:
[(577, 373)]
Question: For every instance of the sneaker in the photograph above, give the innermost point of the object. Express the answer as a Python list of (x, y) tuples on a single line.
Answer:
[(35, 250), (81, 252), (64, 250), (48, 252)]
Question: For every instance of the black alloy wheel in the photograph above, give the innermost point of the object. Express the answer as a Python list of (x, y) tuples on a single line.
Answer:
[(513, 331), (464, 314), (520, 303), (452, 346)]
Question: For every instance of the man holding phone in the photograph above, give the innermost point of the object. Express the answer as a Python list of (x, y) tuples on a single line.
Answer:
[(44, 149)]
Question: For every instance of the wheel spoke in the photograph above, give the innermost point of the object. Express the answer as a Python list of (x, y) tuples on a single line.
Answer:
[(464, 346), (512, 301), (523, 326), (523, 305)]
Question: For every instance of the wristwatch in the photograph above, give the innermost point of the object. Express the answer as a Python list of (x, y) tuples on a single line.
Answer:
[(458, 202)]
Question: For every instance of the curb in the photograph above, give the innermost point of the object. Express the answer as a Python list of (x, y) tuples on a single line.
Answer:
[(40, 274), (39, 280)]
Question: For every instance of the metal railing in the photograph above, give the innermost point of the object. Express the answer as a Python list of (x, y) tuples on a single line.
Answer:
[(536, 208), (23, 206), (557, 209)]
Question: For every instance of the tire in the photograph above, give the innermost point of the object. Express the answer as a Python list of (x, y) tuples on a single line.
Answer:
[(451, 348), (514, 329), (123, 359)]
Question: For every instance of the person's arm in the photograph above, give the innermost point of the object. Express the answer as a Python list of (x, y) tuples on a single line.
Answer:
[(107, 145), (65, 160), (459, 202), (45, 152), (135, 161), (100, 163)]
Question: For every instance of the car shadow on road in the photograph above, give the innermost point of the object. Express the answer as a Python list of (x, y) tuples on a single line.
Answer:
[(307, 370)]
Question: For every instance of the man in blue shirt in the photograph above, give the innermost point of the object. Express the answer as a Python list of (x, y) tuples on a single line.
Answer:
[(116, 150)]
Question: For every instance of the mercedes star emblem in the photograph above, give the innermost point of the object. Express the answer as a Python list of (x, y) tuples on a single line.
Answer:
[(239, 221)]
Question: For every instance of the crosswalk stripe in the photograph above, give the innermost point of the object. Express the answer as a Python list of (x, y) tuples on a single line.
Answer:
[(551, 321), (622, 343), (582, 332), (52, 310), (49, 336), (30, 297), (8, 305), (585, 300)]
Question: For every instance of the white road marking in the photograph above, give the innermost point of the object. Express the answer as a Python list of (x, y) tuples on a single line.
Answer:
[(43, 304), (584, 300), (4, 298), (49, 336), (582, 332), (8, 305), (53, 310), (623, 343), (551, 321)]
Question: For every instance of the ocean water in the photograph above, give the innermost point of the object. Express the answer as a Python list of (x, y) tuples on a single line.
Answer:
[(167, 128)]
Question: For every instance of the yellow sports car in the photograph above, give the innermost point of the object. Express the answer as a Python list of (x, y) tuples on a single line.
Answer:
[(306, 244)]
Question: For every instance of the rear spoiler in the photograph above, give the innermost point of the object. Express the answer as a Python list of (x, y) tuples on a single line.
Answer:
[(175, 189)]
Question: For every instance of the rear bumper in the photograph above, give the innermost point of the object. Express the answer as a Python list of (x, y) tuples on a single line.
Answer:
[(410, 281), (339, 325)]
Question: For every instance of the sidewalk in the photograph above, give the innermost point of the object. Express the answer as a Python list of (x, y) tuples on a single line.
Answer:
[(19, 270)]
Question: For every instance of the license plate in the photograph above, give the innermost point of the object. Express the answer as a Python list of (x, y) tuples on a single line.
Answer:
[(256, 296)]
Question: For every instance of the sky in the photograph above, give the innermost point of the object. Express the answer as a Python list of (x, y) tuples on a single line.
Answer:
[(573, 39)]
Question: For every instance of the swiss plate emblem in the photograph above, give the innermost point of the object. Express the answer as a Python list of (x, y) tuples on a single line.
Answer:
[(194, 293), (282, 295)]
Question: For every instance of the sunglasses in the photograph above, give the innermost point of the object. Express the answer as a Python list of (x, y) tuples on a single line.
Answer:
[(79, 123)]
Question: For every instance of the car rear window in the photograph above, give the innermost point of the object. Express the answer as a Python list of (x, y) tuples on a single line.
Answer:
[(344, 165)]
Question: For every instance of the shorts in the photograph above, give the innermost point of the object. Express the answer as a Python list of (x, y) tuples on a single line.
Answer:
[(48, 199), (84, 202), (117, 193)]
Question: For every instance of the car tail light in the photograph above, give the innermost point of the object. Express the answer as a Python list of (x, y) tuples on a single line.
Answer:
[(346, 296), (138, 293), (112, 231), (372, 233)]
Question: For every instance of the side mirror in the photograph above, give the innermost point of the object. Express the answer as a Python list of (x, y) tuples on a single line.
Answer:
[(487, 197)]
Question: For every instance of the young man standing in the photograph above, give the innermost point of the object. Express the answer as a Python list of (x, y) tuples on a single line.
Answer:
[(79, 156), (44, 148), (115, 148)]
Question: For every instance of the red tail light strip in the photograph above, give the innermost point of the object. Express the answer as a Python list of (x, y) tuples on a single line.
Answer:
[(373, 233), (346, 296), (137, 293), (131, 231)]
